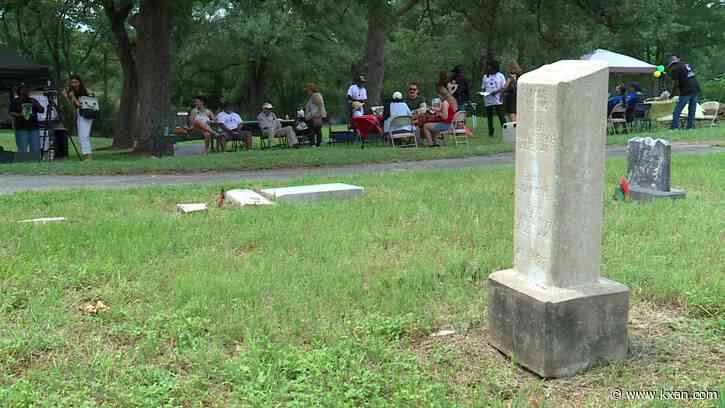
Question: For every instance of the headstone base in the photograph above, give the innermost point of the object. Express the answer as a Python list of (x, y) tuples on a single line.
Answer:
[(645, 194), (557, 332)]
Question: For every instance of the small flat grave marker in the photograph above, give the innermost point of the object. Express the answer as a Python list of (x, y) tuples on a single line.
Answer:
[(314, 192), (192, 208), (246, 197), (44, 220)]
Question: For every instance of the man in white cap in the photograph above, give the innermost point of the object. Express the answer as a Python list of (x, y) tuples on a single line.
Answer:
[(396, 107), (272, 127)]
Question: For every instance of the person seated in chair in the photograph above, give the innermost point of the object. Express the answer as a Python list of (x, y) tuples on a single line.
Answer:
[(231, 125), (413, 98), (617, 98), (357, 109), (446, 111), (201, 118), (633, 97), (271, 126), (397, 107)]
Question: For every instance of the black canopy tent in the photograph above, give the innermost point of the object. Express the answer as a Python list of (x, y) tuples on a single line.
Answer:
[(15, 70)]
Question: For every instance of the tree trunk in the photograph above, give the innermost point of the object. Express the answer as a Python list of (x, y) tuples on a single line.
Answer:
[(153, 68), (126, 120), (381, 19), (377, 38), (375, 61), (257, 68)]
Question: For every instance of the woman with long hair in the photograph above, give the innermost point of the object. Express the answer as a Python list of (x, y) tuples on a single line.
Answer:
[(509, 90), (445, 111), (77, 89)]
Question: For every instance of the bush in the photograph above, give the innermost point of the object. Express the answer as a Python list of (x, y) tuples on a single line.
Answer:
[(714, 89)]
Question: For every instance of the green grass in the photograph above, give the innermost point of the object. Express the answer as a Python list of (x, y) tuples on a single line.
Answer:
[(109, 161), (331, 303)]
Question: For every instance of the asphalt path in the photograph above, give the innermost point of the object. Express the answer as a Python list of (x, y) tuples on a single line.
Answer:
[(19, 183)]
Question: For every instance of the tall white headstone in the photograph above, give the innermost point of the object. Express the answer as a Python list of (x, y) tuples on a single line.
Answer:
[(553, 312)]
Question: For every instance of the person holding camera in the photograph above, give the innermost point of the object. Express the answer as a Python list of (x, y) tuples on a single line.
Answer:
[(24, 111), (73, 93)]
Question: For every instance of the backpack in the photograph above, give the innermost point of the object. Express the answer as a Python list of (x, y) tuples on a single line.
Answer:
[(89, 107)]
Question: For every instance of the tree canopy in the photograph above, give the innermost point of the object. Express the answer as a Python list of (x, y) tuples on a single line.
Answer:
[(144, 57)]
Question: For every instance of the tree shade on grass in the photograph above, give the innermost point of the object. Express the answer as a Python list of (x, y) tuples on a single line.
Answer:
[(331, 303)]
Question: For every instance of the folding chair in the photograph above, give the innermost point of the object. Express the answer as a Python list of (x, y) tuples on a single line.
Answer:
[(368, 128), (642, 119), (711, 110), (617, 116), (458, 129), (400, 130)]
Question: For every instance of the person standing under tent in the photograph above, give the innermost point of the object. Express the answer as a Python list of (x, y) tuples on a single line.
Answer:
[(73, 93), (491, 88), (24, 111)]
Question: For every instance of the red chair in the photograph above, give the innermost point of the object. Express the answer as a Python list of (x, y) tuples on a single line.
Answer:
[(368, 128)]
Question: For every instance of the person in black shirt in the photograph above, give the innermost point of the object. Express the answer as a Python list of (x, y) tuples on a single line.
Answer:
[(461, 92), (684, 77), (25, 110)]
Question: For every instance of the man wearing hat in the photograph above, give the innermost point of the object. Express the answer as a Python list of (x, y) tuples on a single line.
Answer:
[(272, 127), (397, 107), (357, 93), (684, 77)]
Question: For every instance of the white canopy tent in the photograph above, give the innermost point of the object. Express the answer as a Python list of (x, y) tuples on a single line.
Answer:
[(619, 63)]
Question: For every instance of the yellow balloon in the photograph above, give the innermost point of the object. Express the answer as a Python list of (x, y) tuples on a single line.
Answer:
[(657, 74)]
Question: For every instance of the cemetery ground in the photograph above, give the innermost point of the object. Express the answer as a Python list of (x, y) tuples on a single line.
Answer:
[(107, 161), (334, 303)]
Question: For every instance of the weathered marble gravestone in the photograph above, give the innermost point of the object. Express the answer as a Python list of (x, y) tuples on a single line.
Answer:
[(649, 168), (246, 197), (552, 312), (192, 208), (314, 192)]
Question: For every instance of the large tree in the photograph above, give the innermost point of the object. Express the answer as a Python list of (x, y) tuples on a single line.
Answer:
[(382, 18), (153, 45), (118, 14)]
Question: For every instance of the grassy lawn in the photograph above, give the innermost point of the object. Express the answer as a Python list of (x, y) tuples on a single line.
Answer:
[(332, 303), (108, 161)]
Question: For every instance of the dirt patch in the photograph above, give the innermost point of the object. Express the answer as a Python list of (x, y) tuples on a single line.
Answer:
[(667, 350), (246, 249)]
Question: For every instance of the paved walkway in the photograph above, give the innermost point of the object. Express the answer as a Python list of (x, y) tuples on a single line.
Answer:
[(13, 184)]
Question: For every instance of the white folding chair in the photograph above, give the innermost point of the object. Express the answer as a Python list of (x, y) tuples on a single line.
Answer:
[(621, 112), (711, 110), (400, 129), (457, 130)]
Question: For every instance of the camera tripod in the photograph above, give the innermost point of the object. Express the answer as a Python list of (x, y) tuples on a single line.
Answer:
[(48, 119)]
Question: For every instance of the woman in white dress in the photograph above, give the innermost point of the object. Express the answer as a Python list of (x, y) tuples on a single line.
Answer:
[(73, 93)]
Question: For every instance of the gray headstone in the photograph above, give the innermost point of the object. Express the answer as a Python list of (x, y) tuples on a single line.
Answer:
[(649, 163), (553, 312)]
